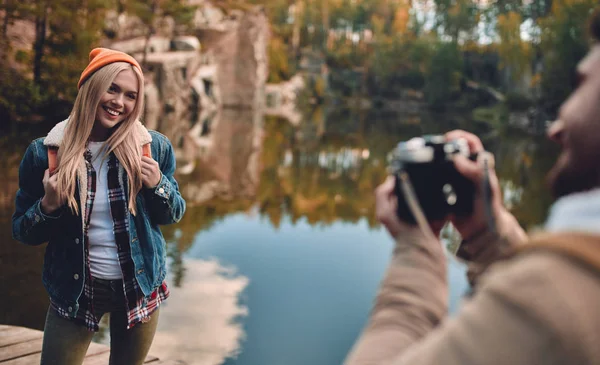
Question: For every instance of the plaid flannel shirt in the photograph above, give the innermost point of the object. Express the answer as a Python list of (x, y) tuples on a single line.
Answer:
[(137, 306)]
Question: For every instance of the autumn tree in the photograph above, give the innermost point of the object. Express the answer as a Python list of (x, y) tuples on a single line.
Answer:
[(515, 53), (456, 19), (564, 41)]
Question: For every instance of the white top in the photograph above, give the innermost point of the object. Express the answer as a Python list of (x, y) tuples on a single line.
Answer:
[(578, 212), (104, 256)]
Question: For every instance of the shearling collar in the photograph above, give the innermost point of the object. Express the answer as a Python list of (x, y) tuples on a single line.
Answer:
[(55, 136)]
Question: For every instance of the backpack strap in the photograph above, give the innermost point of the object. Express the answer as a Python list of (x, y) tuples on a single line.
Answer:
[(581, 247), (146, 150), (52, 160)]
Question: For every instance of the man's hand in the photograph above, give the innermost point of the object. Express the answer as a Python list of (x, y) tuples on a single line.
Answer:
[(474, 170), (51, 200), (150, 172), (386, 208)]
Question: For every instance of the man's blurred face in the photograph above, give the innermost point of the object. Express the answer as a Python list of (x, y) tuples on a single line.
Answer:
[(578, 132)]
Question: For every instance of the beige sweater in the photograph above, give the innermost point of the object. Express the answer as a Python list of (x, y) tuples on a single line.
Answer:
[(535, 308)]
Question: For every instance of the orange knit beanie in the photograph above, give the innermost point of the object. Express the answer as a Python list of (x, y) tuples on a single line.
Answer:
[(100, 57)]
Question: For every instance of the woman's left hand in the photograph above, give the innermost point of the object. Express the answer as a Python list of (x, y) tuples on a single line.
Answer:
[(150, 172)]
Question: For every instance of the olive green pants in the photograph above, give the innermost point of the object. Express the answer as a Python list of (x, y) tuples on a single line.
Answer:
[(66, 343)]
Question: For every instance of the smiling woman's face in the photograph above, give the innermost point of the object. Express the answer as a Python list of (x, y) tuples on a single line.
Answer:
[(115, 105)]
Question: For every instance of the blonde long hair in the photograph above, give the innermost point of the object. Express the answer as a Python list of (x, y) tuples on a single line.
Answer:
[(124, 141)]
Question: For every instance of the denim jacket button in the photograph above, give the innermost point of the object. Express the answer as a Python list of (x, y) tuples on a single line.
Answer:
[(37, 218), (161, 190), (140, 271), (76, 276)]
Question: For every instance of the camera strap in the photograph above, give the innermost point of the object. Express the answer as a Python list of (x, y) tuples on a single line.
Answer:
[(413, 204), (487, 196)]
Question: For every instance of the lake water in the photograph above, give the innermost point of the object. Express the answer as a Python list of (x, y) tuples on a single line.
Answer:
[(279, 256)]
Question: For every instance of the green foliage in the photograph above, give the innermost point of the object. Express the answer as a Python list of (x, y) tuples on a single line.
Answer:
[(73, 32), (442, 78), (564, 42), (402, 54), (149, 11), (347, 56), (493, 116), (515, 54), (22, 56), (397, 64), (279, 62), (517, 102), (19, 97), (379, 48), (456, 18), (68, 30)]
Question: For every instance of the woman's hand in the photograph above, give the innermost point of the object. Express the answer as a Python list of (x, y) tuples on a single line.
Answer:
[(51, 200), (150, 172)]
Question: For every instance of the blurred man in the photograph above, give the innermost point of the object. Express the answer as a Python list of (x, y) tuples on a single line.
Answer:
[(539, 305)]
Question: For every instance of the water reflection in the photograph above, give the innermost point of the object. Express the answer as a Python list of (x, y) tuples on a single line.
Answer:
[(200, 323), (279, 249), (24, 299), (222, 160)]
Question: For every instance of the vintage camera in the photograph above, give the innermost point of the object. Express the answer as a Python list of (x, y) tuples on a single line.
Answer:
[(439, 188)]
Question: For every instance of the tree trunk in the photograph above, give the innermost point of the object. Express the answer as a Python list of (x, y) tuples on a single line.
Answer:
[(4, 44), (298, 10), (5, 20), (325, 14), (146, 43), (41, 22)]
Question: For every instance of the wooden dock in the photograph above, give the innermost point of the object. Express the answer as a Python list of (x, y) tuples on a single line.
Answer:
[(23, 346)]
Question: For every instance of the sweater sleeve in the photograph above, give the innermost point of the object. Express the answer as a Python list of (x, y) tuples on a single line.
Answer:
[(489, 247), (411, 302), (517, 317)]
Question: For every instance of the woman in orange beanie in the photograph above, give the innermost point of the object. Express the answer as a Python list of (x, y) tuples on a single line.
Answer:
[(96, 189)]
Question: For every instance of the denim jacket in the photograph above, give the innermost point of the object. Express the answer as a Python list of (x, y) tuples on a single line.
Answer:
[(64, 261)]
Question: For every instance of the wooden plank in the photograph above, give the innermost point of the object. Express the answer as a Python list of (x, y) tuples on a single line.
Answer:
[(150, 358), (16, 335), (22, 346), (98, 359), (34, 359), (96, 348), (20, 349), (6, 328), (102, 359), (25, 360)]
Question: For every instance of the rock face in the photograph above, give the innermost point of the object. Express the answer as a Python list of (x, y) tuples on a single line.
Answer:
[(281, 99), (188, 83), (240, 51), (21, 36), (235, 44), (171, 111)]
